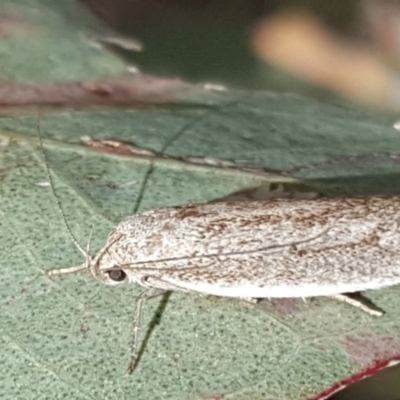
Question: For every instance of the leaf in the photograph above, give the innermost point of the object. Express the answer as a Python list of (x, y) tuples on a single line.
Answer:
[(70, 338), (73, 334)]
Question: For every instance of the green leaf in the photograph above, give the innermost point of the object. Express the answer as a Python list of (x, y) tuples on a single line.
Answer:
[(70, 338)]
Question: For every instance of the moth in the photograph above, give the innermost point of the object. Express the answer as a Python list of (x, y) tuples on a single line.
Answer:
[(257, 249), (251, 249)]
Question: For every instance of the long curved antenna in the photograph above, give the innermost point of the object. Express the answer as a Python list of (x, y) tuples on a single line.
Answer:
[(59, 206)]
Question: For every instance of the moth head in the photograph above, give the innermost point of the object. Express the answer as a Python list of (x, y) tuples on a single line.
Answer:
[(104, 269)]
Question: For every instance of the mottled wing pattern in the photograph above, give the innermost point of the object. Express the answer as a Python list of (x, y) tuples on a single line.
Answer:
[(277, 245)]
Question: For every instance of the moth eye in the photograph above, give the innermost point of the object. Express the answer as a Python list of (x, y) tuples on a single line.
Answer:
[(117, 275)]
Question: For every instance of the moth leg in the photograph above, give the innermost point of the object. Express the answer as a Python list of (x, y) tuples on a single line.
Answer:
[(251, 300), (305, 300), (153, 282), (357, 300), (147, 294)]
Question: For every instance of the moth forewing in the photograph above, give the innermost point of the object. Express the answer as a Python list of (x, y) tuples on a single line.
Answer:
[(276, 248)]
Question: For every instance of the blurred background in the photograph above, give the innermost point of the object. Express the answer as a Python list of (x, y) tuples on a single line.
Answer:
[(349, 47)]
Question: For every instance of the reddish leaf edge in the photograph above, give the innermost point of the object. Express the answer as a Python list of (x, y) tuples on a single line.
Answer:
[(358, 376)]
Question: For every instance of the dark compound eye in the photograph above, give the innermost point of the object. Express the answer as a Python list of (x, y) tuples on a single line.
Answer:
[(117, 275)]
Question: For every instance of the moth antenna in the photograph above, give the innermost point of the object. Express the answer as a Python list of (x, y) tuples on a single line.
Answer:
[(58, 202), (89, 240)]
